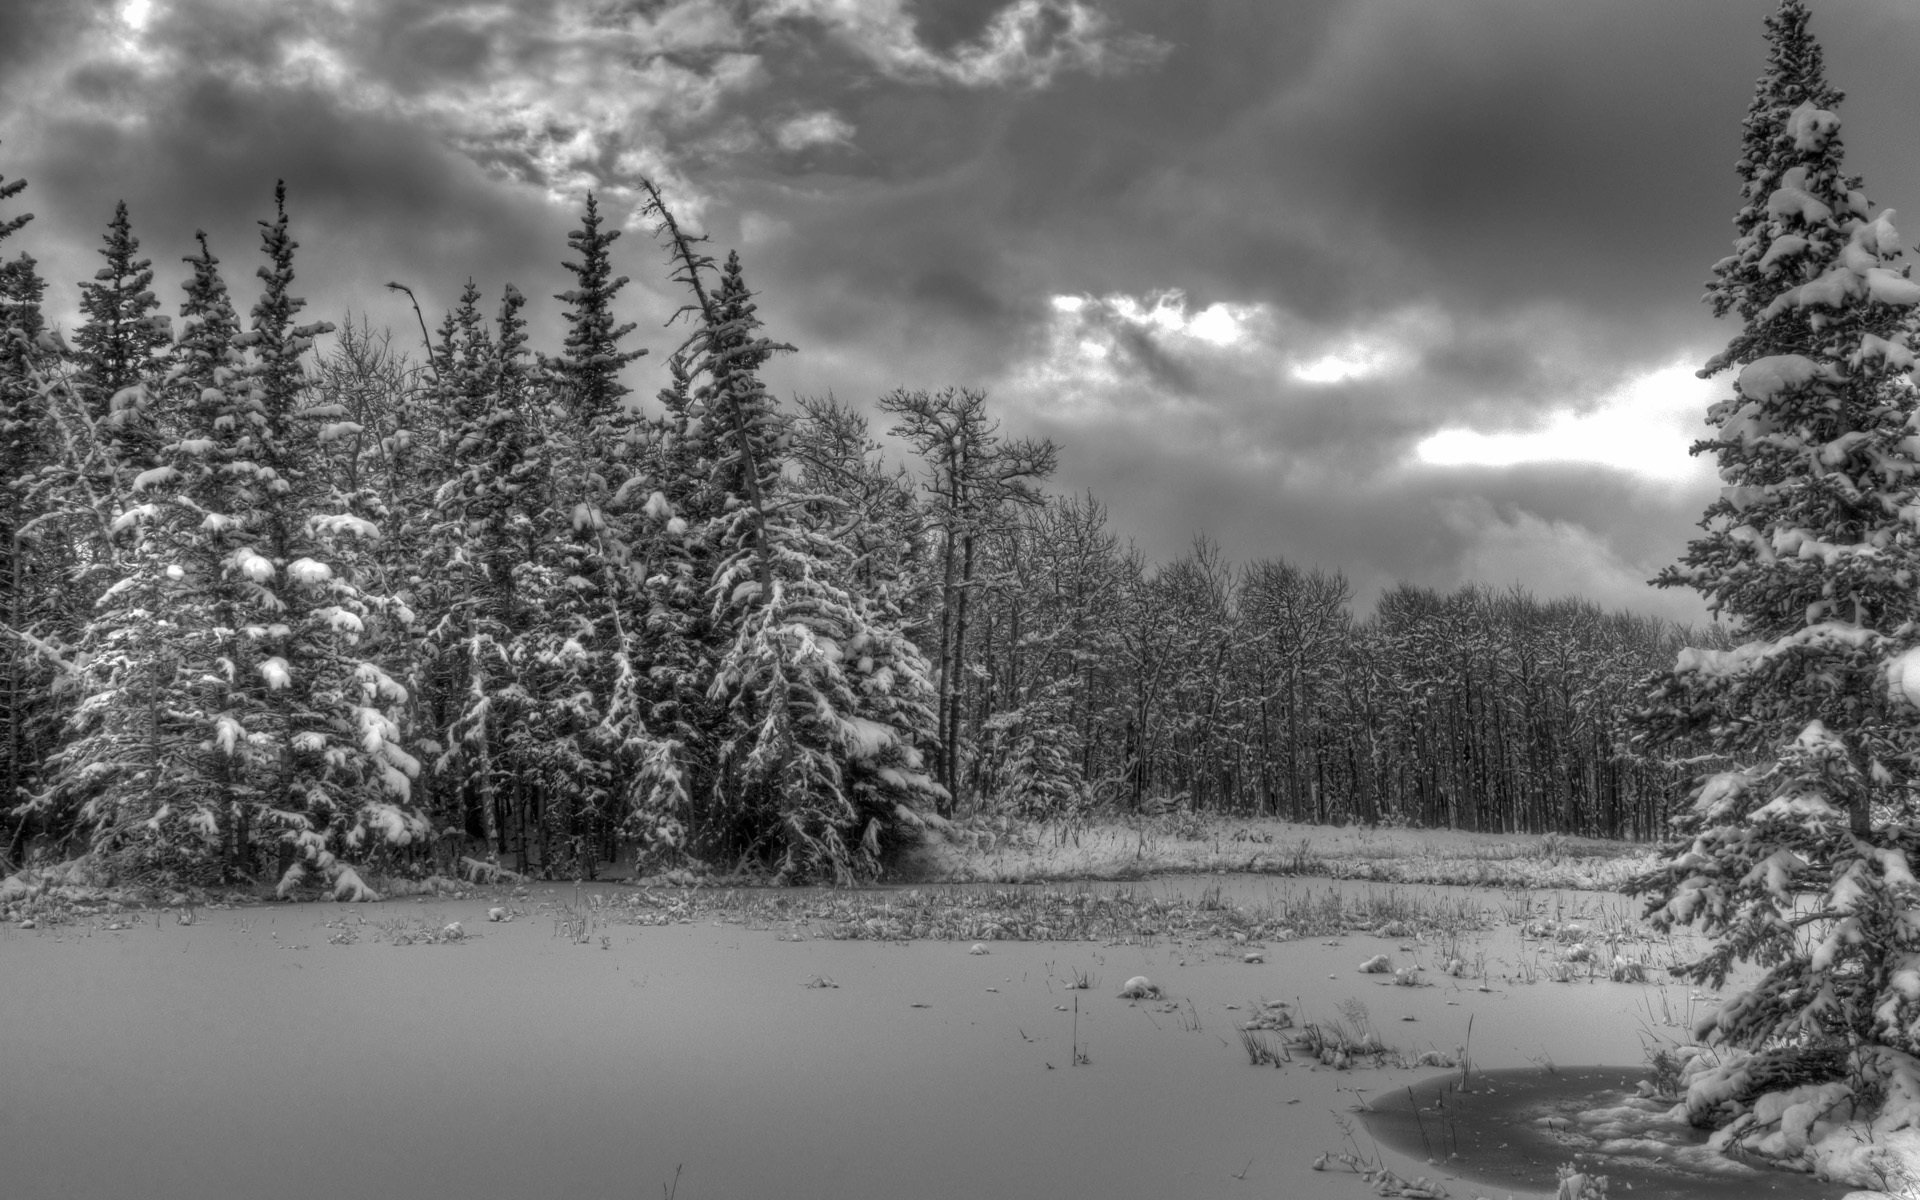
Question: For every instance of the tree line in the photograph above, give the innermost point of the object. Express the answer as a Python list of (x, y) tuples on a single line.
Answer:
[(276, 611)]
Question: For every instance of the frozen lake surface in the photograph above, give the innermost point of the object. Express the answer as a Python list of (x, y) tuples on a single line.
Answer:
[(304, 1051), (1518, 1125)]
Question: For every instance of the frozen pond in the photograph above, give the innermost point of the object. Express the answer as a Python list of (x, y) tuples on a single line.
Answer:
[(301, 1051), (1516, 1126)]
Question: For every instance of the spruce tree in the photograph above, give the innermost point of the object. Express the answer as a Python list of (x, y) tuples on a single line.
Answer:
[(24, 448), (821, 705), (481, 534), (584, 655), (235, 690), (120, 342), (9, 188), (589, 370), (1797, 858)]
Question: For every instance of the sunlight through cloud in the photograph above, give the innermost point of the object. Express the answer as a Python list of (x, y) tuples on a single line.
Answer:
[(1644, 427)]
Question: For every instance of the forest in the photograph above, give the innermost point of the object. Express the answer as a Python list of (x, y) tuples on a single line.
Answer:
[(283, 598)]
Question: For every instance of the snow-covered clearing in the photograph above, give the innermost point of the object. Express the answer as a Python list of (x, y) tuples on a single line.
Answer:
[(790, 1043)]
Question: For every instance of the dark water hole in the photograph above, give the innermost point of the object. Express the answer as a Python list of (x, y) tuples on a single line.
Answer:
[(1515, 1127)]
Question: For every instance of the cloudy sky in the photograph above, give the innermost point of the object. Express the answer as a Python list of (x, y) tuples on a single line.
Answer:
[(1404, 288)]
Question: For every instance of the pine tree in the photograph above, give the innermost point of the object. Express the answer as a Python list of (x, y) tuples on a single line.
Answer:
[(589, 370), (9, 188), (823, 704), (1797, 857), (233, 686), (484, 512), (24, 448), (120, 343), (1791, 153), (583, 657)]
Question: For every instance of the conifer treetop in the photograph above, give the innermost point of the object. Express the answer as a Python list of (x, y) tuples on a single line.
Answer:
[(203, 353), (276, 340), (591, 364), (1795, 194), (9, 188), (21, 291), (121, 335)]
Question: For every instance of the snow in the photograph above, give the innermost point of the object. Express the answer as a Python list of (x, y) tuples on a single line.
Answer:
[(340, 620), (866, 740), (1903, 676), (1777, 374), (1783, 248), (1878, 235), (1890, 287), (1719, 792), (1748, 655), (155, 477), (251, 564), (378, 683), (307, 571), (227, 734), (394, 825), (275, 671), (1793, 199), (1892, 356), (138, 514), (343, 523)]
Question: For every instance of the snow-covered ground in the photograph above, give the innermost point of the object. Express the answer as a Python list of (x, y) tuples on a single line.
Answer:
[(582, 1051)]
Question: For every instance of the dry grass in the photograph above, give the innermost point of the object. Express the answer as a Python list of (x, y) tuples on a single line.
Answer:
[(1008, 852), (1070, 913)]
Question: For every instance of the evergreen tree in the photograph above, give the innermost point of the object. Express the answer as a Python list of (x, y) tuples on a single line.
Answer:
[(25, 447), (9, 188), (584, 656), (1791, 156), (589, 370), (1797, 858), (120, 343), (233, 689), (824, 704), (484, 516)]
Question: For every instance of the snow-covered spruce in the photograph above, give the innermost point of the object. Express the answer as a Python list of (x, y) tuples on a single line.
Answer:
[(804, 751), (1796, 857), (233, 696)]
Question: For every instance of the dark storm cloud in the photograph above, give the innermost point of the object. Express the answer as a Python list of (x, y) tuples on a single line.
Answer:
[(371, 200), (1414, 216), (1551, 169), (29, 28)]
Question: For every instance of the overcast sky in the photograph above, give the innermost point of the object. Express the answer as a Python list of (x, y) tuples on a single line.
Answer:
[(1404, 288)]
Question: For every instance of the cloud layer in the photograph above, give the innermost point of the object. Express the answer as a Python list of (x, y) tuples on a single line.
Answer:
[(1404, 289)]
